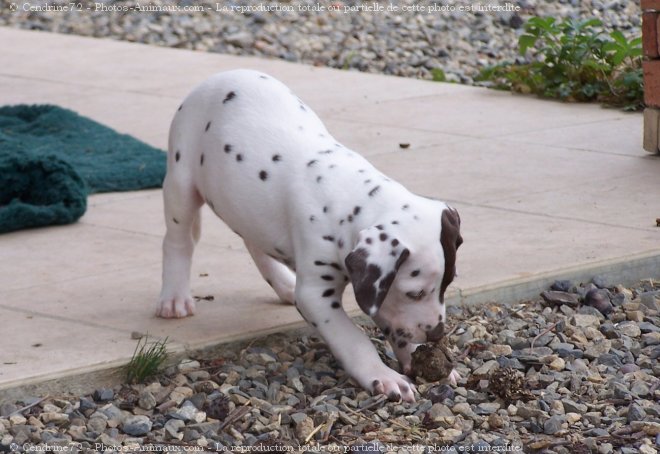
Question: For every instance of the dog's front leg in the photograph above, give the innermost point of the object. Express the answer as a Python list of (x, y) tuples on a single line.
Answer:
[(320, 305)]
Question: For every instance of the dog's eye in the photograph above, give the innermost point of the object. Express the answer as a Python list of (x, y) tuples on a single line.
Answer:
[(416, 296)]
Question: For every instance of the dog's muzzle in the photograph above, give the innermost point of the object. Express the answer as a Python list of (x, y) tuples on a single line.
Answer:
[(436, 333)]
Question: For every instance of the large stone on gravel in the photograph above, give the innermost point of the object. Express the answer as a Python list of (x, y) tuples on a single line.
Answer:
[(137, 425), (570, 406), (304, 428), (599, 299), (556, 298), (597, 349), (585, 320), (630, 329), (103, 395), (553, 424)]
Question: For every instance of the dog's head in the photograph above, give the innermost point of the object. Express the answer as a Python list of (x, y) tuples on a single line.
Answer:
[(400, 272)]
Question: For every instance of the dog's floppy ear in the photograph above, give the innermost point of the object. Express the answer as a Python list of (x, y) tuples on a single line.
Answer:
[(451, 239), (372, 266)]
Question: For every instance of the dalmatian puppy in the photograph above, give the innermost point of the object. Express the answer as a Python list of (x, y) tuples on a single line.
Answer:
[(314, 215)]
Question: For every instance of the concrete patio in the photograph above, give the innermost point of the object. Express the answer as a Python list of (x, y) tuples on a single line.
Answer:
[(544, 189)]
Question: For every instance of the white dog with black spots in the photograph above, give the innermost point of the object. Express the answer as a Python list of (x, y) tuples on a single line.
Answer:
[(314, 215)]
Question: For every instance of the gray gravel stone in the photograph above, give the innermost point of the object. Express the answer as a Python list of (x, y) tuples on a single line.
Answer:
[(137, 425)]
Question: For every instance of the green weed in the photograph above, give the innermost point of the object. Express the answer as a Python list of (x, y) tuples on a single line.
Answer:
[(147, 359), (575, 61)]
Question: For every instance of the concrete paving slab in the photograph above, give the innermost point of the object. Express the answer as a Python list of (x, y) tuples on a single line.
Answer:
[(53, 346), (600, 137), (544, 189), (476, 112)]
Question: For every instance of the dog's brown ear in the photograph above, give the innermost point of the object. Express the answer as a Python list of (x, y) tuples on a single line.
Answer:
[(372, 267), (451, 239)]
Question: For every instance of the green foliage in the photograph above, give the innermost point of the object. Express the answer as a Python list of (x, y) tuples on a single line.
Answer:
[(574, 60), (438, 75), (147, 359)]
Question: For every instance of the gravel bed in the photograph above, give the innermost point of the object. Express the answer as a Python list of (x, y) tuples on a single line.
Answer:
[(409, 44), (574, 372)]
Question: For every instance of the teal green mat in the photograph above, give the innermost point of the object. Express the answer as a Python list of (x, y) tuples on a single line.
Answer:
[(51, 158)]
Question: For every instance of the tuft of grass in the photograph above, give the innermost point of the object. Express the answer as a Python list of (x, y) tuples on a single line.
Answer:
[(574, 61), (147, 359), (438, 75)]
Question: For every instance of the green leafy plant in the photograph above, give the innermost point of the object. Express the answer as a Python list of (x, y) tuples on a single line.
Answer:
[(147, 359), (576, 61), (438, 75)]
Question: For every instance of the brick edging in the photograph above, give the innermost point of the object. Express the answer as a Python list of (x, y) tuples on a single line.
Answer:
[(651, 69)]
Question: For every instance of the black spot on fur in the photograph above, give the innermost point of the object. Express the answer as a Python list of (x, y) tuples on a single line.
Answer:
[(325, 209), (337, 145), (328, 277), (303, 108), (329, 238), (326, 151), (380, 227), (279, 251), (327, 321), (367, 181), (312, 162), (356, 210), (335, 305), (227, 148), (239, 157), (340, 243), (201, 160), (395, 222), (263, 175), (312, 218), (208, 125), (328, 292), (395, 242), (231, 95), (402, 344), (177, 156), (263, 77), (314, 324), (335, 266), (319, 179), (405, 207), (387, 331), (332, 166), (180, 107), (319, 263), (361, 171), (415, 273), (350, 218), (374, 190), (175, 221), (277, 158), (341, 222), (368, 240)]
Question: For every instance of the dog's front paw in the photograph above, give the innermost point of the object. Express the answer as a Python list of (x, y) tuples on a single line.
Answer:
[(394, 385), (175, 307)]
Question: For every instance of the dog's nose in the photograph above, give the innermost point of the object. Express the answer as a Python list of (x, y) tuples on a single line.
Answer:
[(436, 333)]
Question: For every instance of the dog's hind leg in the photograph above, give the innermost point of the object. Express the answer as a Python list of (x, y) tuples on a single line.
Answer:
[(182, 217), (278, 275)]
